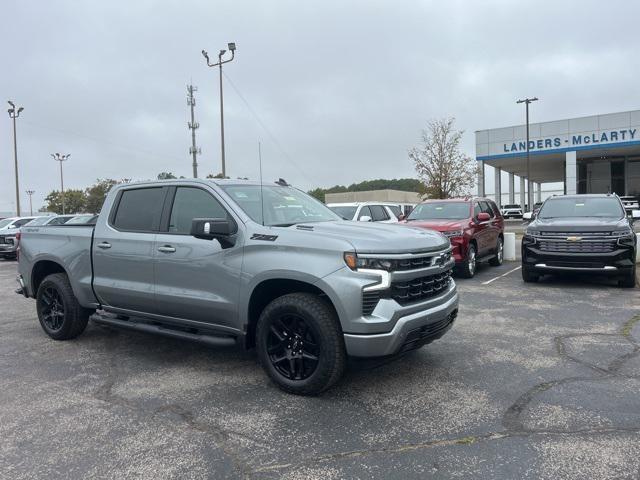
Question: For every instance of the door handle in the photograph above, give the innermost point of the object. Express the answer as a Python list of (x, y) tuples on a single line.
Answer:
[(166, 249), (104, 245)]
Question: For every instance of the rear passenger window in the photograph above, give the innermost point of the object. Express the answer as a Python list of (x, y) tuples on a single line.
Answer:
[(379, 213), (395, 210), (496, 210), (476, 210), (190, 203), (139, 210)]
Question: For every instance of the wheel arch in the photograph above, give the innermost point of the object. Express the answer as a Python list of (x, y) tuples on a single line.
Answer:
[(41, 269), (268, 290)]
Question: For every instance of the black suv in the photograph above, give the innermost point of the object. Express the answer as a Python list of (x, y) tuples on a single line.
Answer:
[(581, 233)]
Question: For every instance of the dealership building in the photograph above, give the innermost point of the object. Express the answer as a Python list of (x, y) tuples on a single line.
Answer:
[(596, 154)]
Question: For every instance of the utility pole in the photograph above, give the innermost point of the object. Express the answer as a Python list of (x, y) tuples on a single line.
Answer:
[(61, 158), (232, 49), (30, 193), (193, 126), (13, 114), (527, 101)]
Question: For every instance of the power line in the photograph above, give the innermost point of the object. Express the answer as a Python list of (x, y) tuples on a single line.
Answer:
[(264, 127)]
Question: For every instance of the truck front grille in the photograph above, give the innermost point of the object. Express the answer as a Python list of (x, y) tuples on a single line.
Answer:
[(419, 288), (564, 246)]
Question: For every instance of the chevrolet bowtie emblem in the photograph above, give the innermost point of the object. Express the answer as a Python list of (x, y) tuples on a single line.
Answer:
[(574, 239)]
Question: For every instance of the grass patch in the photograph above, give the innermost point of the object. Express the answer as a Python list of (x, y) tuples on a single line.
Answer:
[(465, 441), (628, 326)]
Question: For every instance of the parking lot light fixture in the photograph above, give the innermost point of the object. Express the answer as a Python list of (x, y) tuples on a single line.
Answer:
[(232, 48), (13, 114), (527, 101), (61, 158)]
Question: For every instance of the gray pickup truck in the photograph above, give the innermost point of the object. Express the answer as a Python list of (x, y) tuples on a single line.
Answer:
[(235, 262)]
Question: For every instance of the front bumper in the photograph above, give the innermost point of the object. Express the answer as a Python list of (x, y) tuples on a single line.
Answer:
[(415, 325), (618, 262)]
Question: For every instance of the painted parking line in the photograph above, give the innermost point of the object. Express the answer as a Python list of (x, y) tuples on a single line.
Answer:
[(500, 276)]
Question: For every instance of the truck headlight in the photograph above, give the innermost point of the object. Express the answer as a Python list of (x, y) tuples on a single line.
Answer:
[(627, 240), (354, 262)]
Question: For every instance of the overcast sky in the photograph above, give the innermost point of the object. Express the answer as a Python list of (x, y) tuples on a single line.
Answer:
[(343, 88)]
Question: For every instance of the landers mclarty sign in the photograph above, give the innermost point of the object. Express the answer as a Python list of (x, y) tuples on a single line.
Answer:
[(573, 140)]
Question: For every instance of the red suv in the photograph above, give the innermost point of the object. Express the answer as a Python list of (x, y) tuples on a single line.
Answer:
[(475, 228)]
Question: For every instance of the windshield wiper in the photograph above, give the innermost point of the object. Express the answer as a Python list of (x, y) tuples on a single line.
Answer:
[(281, 224)]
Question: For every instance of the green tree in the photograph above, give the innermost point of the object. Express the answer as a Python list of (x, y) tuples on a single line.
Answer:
[(219, 175), (166, 176), (404, 184), (74, 201), (96, 193)]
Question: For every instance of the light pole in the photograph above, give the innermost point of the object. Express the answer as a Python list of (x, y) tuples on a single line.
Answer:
[(13, 114), (232, 49), (61, 158), (527, 101), (30, 193)]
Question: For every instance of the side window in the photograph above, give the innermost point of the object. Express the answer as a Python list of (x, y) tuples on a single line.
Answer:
[(476, 210), (395, 209), (190, 203), (487, 209), (365, 212), (494, 207), (22, 222), (139, 209), (379, 213)]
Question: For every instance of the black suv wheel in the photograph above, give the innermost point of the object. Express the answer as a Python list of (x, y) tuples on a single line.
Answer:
[(628, 281), (528, 276), (300, 344), (60, 314)]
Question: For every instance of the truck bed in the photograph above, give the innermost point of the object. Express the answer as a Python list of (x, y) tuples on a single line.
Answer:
[(67, 244)]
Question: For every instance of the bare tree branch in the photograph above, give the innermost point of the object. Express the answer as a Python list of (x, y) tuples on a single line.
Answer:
[(441, 166)]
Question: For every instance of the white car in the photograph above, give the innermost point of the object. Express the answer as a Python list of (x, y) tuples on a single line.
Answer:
[(630, 203), (366, 211), (511, 211), (8, 229)]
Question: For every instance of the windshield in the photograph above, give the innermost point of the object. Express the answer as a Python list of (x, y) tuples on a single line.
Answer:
[(345, 212), (582, 207), (282, 206), (5, 222), (61, 220), (37, 221), (80, 220), (441, 211)]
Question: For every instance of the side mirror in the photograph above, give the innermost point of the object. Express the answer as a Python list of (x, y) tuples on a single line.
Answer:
[(401, 217), (364, 218), (527, 216), (210, 228), (635, 215), (483, 217)]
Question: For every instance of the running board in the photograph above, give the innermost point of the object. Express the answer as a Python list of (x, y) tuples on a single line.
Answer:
[(485, 258), (207, 339)]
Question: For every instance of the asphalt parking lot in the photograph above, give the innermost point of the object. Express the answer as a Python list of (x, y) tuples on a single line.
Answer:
[(533, 381)]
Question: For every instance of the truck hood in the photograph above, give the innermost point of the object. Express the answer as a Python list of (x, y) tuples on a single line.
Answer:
[(379, 237), (578, 224), (438, 225)]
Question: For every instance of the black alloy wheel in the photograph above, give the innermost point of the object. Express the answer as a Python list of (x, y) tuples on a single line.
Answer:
[(292, 347), (51, 307)]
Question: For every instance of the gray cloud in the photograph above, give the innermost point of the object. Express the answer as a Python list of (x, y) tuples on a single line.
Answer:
[(344, 87)]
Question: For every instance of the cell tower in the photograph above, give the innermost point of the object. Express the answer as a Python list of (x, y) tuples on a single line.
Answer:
[(193, 126)]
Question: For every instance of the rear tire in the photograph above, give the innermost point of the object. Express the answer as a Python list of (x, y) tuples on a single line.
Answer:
[(628, 281), (467, 269), (61, 316), (300, 344), (497, 260), (528, 276)]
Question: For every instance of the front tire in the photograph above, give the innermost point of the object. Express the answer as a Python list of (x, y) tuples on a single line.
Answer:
[(528, 276), (498, 259), (61, 316), (467, 268), (628, 281), (300, 344)]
